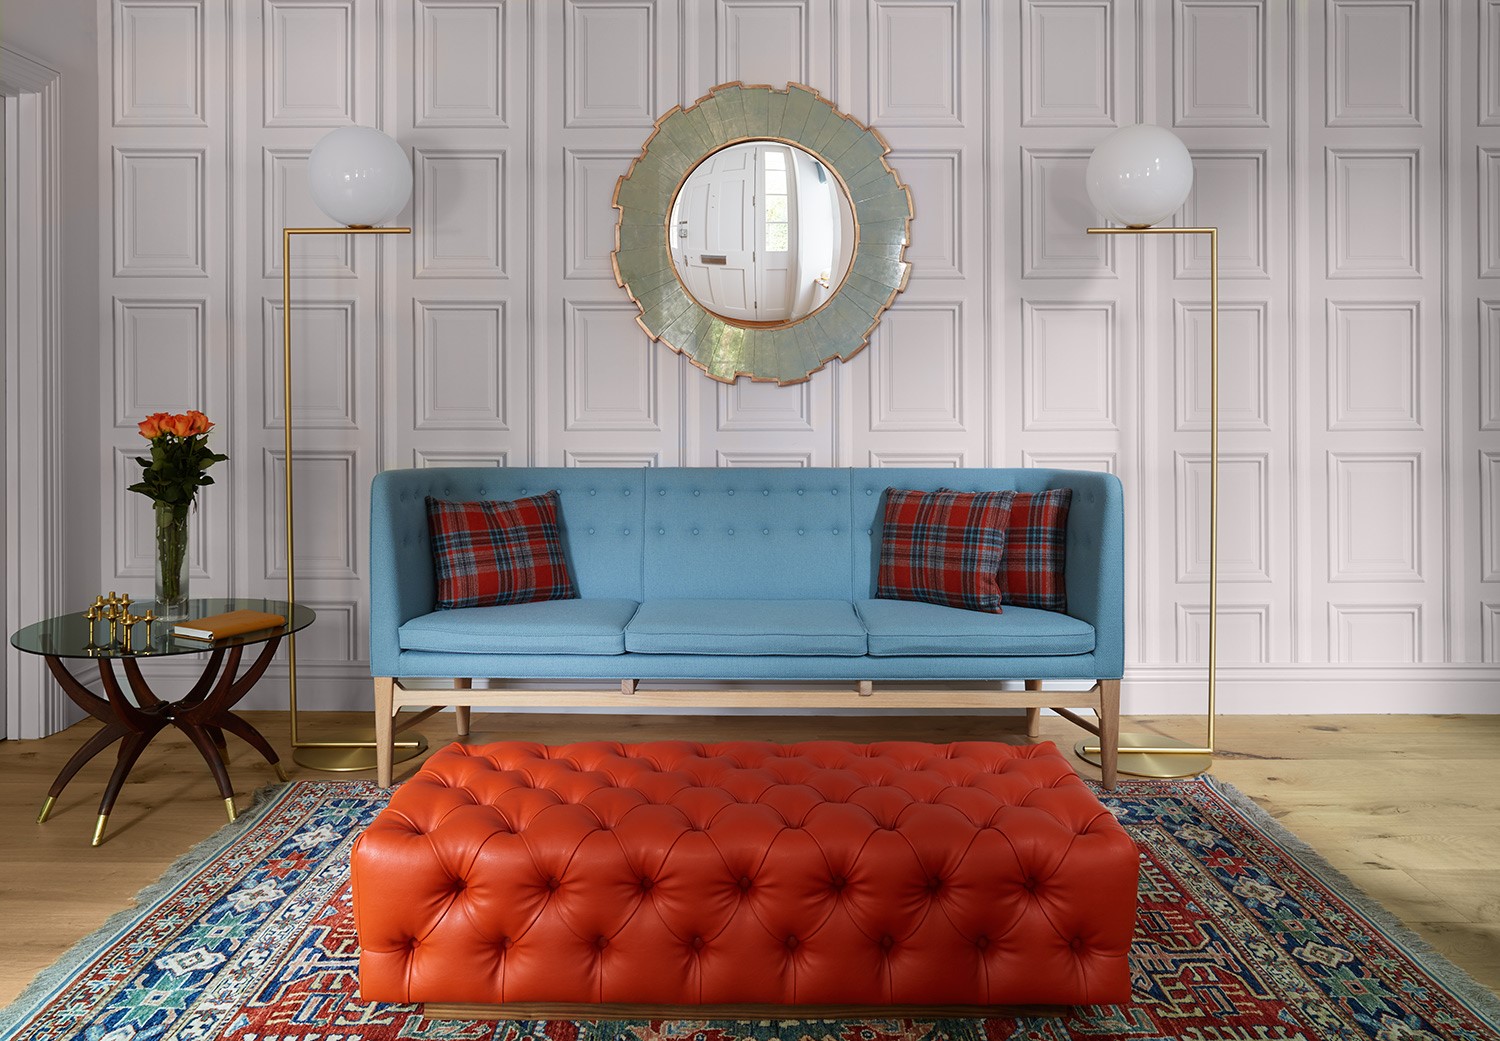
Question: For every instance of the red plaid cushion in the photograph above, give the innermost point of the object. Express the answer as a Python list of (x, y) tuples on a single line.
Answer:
[(943, 547), (488, 553), (1032, 572)]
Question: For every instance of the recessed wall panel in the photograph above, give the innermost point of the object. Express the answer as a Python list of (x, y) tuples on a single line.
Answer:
[(1244, 517), (1489, 63), (611, 52), (334, 639), (323, 487), (936, 249), (609, 369), (1067, 63), (1374, 366), (1243, 636), (1489, 364), (898, 460), (1229, 193), (1375, 634), (158, 63), (423, 458), (160, 363), (1055, 211), (792, 460), (745, 405), (1489, 213), (606, 457), (1374, 213), (460, 363), (1069, 366), (764, 42), (918, 376), (310, 62), (1489, 515), (1375, 528), (1099, 462), (589, 177), (908, 92), (160, 213), (286, 202), (1372, 63), (459, 54), (1219, 78), (324, 334), (1244, 366), (461, 219)]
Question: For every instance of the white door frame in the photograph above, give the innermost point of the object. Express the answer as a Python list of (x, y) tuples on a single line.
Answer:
[(32, 334)]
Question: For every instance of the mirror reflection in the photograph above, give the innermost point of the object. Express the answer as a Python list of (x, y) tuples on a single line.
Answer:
[(761, 232)]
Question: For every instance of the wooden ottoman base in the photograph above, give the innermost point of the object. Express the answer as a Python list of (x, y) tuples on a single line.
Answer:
[(671, 874)]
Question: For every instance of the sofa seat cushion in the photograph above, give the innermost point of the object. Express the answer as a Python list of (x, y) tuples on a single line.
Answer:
[(904, 627), (590, 626), (746, 627)]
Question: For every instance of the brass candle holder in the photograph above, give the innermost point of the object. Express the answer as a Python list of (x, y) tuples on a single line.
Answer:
[(115, 609)]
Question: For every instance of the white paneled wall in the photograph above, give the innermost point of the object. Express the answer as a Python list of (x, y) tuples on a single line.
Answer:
[(1349, 151)]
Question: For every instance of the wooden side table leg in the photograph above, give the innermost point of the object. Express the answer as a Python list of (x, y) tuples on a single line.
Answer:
[(102, 739), (205, 746), (252, 737), (130, 750)]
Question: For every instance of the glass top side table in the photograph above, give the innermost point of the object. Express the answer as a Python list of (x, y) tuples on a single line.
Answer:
[(134, 719)]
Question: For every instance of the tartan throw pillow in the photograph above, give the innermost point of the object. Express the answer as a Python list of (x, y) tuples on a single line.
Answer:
[(489, 553), (1031, 574), (943, 547)]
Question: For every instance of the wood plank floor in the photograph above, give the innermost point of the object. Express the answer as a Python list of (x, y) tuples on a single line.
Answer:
[(1406, 806)]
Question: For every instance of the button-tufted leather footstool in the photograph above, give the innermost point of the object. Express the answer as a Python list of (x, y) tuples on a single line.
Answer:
[(822, 874)]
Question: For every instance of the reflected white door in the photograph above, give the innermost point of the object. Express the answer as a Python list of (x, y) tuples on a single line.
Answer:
[(714, 234)]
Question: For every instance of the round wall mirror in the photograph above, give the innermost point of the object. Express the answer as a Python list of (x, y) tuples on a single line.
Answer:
[(761, 233)]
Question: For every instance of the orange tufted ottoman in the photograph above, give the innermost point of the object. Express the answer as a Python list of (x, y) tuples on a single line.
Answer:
[(822, 874)]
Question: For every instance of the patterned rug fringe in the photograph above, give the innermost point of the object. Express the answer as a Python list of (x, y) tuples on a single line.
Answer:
[(47, 981), (1480, 999)]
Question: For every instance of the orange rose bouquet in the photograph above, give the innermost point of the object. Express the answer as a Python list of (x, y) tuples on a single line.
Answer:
[(170, 478)]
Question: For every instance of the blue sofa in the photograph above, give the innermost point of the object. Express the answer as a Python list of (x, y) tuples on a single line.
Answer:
[(760, 577)]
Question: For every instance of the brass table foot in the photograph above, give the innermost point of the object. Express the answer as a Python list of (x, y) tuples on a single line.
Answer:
[(99, 829), (41, 818), (229, 809), (280, 772)]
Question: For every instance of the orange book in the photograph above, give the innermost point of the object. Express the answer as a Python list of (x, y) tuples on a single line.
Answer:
[(231, 623)]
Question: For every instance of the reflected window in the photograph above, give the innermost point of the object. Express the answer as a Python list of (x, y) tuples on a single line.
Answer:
[(776, 208)]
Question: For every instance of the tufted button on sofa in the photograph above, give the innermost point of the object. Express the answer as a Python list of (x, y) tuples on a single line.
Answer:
[(753, 576), (678, 874)]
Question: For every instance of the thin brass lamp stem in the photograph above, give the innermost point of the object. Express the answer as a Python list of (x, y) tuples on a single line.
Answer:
[(1137, 747), (286, 424)]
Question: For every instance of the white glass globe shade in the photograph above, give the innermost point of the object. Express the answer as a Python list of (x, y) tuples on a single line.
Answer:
[(359, 176), (1139, 175)]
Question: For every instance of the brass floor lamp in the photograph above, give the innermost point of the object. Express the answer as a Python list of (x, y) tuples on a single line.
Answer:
[(1141, 175), (359, 177)]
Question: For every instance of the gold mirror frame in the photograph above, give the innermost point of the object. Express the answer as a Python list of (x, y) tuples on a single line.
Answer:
[(788, 352)]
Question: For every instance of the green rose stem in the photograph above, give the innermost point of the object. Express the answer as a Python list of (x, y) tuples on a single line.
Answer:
[(171, 554)]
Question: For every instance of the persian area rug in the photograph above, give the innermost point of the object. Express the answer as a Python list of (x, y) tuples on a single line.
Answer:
[(1243, 935)]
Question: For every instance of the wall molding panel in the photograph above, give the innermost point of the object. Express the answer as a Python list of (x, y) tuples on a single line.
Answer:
[(1344, 148)]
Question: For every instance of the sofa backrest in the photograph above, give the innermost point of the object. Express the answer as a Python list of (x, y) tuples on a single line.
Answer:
[(758, 532)]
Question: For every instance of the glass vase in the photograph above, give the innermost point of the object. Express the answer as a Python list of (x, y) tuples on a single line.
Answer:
[(171, 560)]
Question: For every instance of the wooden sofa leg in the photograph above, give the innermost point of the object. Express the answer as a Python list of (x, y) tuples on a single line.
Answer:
[(1033, 713), (461, 712), (385, 728), (1109, 730)]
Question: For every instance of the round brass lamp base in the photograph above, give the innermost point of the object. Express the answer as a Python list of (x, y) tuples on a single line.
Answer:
[(1150, 764), (358, 754)]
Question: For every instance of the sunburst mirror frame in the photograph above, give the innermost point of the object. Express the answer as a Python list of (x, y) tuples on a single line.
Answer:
[(792, 351)]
